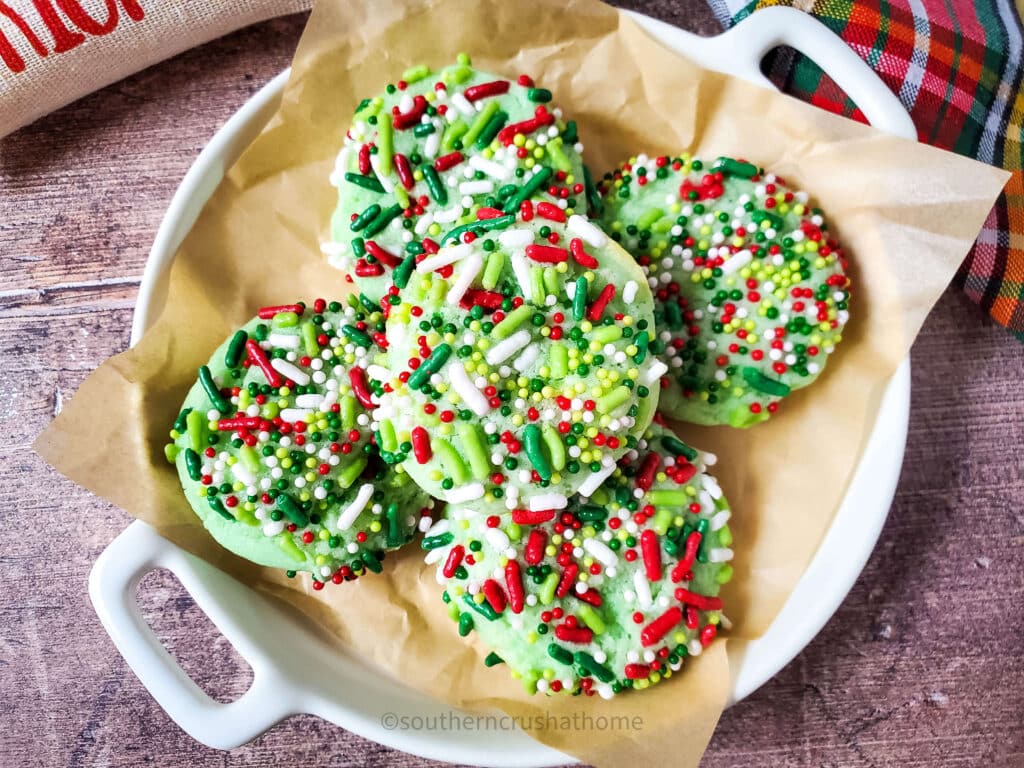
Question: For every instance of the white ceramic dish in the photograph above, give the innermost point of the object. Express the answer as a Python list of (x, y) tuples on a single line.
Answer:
[(256, 627)]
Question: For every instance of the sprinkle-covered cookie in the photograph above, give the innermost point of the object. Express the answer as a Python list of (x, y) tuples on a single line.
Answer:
[(275, 450), (609, 594), (518, 357), (422, 157), (751, 293)]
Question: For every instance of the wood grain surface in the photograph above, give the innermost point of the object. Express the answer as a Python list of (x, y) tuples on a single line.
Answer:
[(923, 665)]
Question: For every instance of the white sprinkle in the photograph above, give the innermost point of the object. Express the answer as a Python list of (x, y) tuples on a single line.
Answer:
[(387, 183), (284, 341), (546, 501), (594, 480), (423, 224), (469, 492), (353, 510), (655, 372), (629, 291), (601, 552), (273, 528), (525, 360), (522, 273), (516, 238), (291, 415), (582, 227), (736, 262), (720, 519), (448, 215), (309, 401), (285, 368), (462, 104), (491, 168), (432, 144), (444, 257), (504, 349), (243, 473), (480, 187), (471, 267), (472, 396), (643, 589), (497, 538), (333, 249), (720, 555), (712, 487)]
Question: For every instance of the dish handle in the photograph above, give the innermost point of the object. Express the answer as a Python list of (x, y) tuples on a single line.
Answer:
[(766, 29), (113, 589)]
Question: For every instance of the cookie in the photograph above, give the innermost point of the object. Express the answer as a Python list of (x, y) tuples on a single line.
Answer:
[(751, 292), (275, 450), (518, 359), (420, 159), (611, 593)]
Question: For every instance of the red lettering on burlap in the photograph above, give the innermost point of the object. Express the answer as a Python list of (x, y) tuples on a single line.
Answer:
[(64, 39)]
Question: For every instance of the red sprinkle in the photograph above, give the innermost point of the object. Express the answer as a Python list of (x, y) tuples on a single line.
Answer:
[(550, 211), (652, 554), (454, 560), (541, 118), (547, 254), (534, 551), (445, 162), (404, 170), (267, 313), (405, 120), (700, 602), (477, 297), (421, 445), (384, 257), (600, 303), (661, 626), (366, 269), (689, 555), (573, 634), (580, 255), (494, 594), (648, 469), (514, 582), (637, 671), (357, 377), (482, 91), (245, 422), (567, 580), (526, 517), (258, 356)]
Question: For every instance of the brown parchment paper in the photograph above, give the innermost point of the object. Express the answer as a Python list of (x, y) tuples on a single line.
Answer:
[(907, 215)]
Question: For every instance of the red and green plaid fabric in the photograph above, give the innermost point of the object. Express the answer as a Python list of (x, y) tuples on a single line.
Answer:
[(957, 67)]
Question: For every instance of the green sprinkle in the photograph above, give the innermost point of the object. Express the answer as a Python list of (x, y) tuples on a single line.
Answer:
[(371, 561), (571, 132), (348, 412), (762, 383), (557, 155), (415, 74), (490, 130), (546, 594), (731, 167), (594, 201), (352, 472), (450, 460), (592, 513), (385, 145), (309, 342), (434, 184), (292, 510), (512, 321), (235, 349), (589, 664), (484, 225), (609, 402), (195, 424), (677, 447), (382, 220), (560, 654), (579, 299), (663, 497), (290, 548), (219, 508), (484, 609), (642, 340), (605, 334), (492, 660), (492, 271), (453, 133), (535, 182), (465, 624), (538, 95), (558, 361), (473, 446), (171, 452), (431, 365), (404, 271), (388, 438), (555, 447), (366, 182), (369, 214), (193, 465), (356, 336), (179, 423), (212, 391), (423, 129), (649, 217), (482, 118), (591, 618), (394, 518), (435, 542), (533, 444)]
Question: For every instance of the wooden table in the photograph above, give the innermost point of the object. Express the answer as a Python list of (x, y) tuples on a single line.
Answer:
[(923, 665)]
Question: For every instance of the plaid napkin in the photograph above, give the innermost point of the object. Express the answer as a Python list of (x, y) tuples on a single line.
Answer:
[(957, 67)]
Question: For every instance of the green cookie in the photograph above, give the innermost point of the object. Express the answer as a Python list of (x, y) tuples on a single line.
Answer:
[(274, 447), (609, 594), (518, 360), (751, 293), (422, 157)]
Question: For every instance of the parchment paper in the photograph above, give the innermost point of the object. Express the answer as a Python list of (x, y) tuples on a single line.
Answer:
[(906, 214)]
